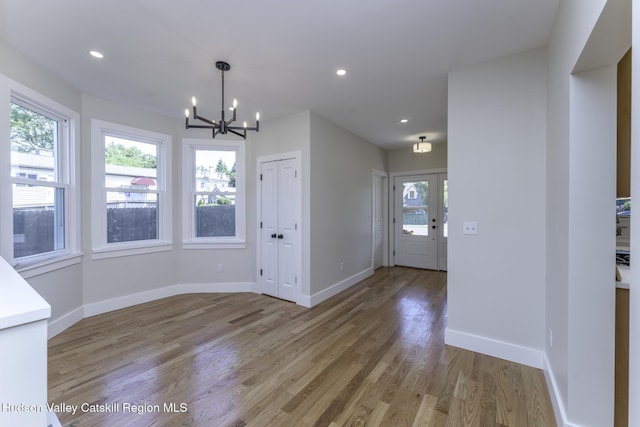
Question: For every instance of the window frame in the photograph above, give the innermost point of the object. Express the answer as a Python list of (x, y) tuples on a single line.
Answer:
[(67, 161), (189, 240), (164, 241)]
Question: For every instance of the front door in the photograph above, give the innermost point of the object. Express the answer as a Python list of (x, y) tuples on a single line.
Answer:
[(417, 221)]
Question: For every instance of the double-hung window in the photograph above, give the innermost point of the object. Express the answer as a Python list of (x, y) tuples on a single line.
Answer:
[(131, 197), (43, 209), (213, 194)]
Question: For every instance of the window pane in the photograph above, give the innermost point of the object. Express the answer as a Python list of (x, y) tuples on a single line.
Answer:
[(215, 215), (34, 141), (445, 208), (215, 170), (415, 207), (130, 164), (38, 220), (131, 216)]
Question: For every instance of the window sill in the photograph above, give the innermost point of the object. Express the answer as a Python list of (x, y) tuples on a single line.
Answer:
[(43, 266), (127, 250), (214, 244)]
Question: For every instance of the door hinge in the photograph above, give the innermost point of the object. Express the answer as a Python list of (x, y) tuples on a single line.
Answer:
[(260, 224), (394, 187), (260, 177), (394, 254), (261, 269), (394, 220), (295, 279), (296, 226), (295, 174)]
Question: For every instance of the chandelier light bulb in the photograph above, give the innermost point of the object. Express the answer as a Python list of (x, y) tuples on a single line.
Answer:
[(257, 116), (186, 112), (235, 103), (245, 124), (193, 100)]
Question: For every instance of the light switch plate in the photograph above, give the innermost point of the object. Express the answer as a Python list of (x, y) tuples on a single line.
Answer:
[(470, 227)]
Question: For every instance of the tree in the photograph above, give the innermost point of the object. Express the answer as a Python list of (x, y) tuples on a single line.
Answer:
[(118, 154), (222, 167), (31, 131), (232, 176)]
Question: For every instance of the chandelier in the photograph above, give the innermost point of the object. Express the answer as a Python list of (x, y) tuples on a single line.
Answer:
[(222, 126), (422, 147)]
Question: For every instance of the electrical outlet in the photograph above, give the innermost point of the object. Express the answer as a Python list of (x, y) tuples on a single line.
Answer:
[(470, 227), (550, 338), (219, 268)]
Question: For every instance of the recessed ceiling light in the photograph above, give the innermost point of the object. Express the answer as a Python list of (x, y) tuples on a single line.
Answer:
[(341, 72), (404, 120), (96, 54)]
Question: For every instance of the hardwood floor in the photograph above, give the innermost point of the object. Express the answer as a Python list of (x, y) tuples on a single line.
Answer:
[(372, 356)]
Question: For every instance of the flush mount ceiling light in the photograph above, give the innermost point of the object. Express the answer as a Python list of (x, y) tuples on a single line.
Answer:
[(404, 120), (422, 147), (96, 54), (341, 72), (222, 126)]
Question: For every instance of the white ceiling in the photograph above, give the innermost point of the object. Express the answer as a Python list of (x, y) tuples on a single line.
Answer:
[(283, 54)]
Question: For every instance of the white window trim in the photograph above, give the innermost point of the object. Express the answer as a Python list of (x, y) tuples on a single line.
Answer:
[(41, 263), (100, 248), (189, 241)]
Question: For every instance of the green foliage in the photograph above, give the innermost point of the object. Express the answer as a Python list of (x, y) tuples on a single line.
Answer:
[(31, 131), (232, 176), (423, 191), (222, 167), (224, 201), (626, 206), (118, 154)]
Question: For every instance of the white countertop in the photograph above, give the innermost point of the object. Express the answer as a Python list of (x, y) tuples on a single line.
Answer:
[(19, 303), (626, 277)]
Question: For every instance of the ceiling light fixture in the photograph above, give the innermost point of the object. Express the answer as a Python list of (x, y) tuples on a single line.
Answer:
[(404, 120), (422, 147), (222, 126), (341, 72), (96, 54)]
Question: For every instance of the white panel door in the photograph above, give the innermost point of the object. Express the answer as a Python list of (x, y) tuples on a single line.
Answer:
[(269, 223), (287, 229), (415, 221), (279, 239)]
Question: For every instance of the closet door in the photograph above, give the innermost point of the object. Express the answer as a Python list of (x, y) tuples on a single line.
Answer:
[(279, 216)]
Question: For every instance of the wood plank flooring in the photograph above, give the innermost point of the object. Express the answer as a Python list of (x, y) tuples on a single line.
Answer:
[(372, 356)]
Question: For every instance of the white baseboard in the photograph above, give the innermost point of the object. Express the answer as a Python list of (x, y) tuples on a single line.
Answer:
[(554, 393), (500, 349), (63, 322), (325, 294), (92, 309)]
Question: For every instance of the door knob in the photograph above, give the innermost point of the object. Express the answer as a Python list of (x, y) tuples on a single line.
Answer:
[(280, 236), (433, 226), (273, 236)]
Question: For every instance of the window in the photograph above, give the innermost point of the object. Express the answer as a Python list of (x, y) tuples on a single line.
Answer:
[(131, 201), (39, 196), (214, 195)]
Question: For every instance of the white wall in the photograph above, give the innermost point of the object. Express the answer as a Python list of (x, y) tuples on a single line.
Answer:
[(406, 160), (580, 145), (496, 139), (341, 188)]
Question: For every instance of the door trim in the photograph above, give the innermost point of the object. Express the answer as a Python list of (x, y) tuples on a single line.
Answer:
[(390, 228), (296, 156), (385, 215)]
